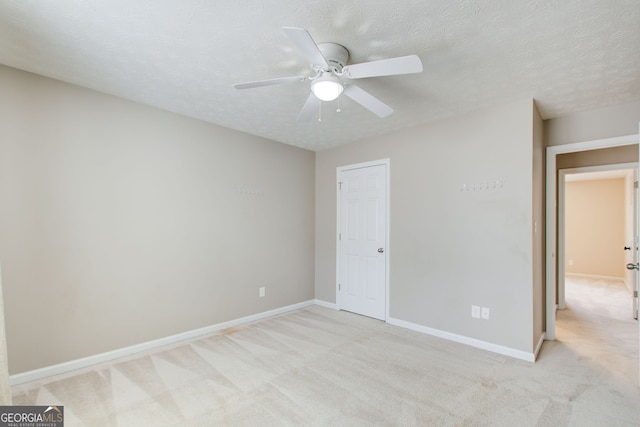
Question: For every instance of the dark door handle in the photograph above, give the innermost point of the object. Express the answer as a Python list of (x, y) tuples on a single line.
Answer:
[(627, 248)]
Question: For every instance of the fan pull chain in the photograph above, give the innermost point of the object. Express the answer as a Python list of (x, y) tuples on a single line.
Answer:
[(319, 110), (339, 109)]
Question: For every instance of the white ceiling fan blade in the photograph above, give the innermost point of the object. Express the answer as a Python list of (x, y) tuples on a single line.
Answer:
[(309, 109), (384, 67), (368, 101), (270, 82), (306, 45)]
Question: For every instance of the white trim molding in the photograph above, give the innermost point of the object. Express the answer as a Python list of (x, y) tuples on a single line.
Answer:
[(628, 286), (594, 276), (85, 362), (495, 348), (326, 304), (72, 365)]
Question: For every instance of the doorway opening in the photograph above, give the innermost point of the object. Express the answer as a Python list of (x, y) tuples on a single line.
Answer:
[(553, 155), (596, 225), (595, 242)]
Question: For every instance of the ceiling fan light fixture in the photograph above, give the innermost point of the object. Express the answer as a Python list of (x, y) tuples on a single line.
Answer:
[(326, 88), (329, 64)]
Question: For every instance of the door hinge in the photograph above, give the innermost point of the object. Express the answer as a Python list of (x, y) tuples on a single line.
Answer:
[(635, 294), (339, 236), (339, 287), (635, 184), (339, 185)]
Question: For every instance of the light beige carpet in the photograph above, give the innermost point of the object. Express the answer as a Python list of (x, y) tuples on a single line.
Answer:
[(319, 367)]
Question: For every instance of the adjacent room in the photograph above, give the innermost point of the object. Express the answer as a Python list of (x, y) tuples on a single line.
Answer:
[(329, 213), (596, 219)]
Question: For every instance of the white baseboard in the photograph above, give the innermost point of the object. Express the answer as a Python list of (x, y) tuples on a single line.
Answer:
[(594, 276), (507, 351), (72, 365), (325, 304)]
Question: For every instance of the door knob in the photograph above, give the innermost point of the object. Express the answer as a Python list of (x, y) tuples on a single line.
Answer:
[(380, 250), (632, 266), (627, 248)]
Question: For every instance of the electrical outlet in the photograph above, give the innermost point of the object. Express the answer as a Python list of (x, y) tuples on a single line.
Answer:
[(261, 291), (485, 313), (570, 262), (475, 311)]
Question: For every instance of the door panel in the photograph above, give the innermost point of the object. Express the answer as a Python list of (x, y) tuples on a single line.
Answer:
[(636, 243), (362, 241), (371, 280)]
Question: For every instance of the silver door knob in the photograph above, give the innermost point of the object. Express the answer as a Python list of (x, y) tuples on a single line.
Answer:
[(380, 250), (632, 266)]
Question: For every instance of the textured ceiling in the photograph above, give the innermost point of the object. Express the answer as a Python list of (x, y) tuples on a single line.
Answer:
[(185, 55)]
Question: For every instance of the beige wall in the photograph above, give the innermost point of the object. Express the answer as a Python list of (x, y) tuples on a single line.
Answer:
[(595, 227), (539, 230), (451, 249), (618, 120), (604, 156), (123, 224)]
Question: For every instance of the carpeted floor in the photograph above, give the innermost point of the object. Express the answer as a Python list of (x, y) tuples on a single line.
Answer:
[(320, 367)]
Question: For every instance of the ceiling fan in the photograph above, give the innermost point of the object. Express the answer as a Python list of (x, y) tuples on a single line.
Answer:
[(329, 70)]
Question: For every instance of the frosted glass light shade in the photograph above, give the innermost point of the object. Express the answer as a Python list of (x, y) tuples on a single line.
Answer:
[(326, 88)]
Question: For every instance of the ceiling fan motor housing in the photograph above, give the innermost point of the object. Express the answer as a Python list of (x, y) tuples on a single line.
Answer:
[(336, 55)]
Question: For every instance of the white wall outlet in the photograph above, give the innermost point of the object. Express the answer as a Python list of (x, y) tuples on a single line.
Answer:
[(570, 262), (475, 311), (261, 291), (485, 313)]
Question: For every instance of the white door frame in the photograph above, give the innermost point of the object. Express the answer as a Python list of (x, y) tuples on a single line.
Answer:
[(339, 170), (562, 174), (551, 225)]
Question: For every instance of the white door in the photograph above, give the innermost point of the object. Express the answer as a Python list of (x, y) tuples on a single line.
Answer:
[(362, 240), (636, 242)]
